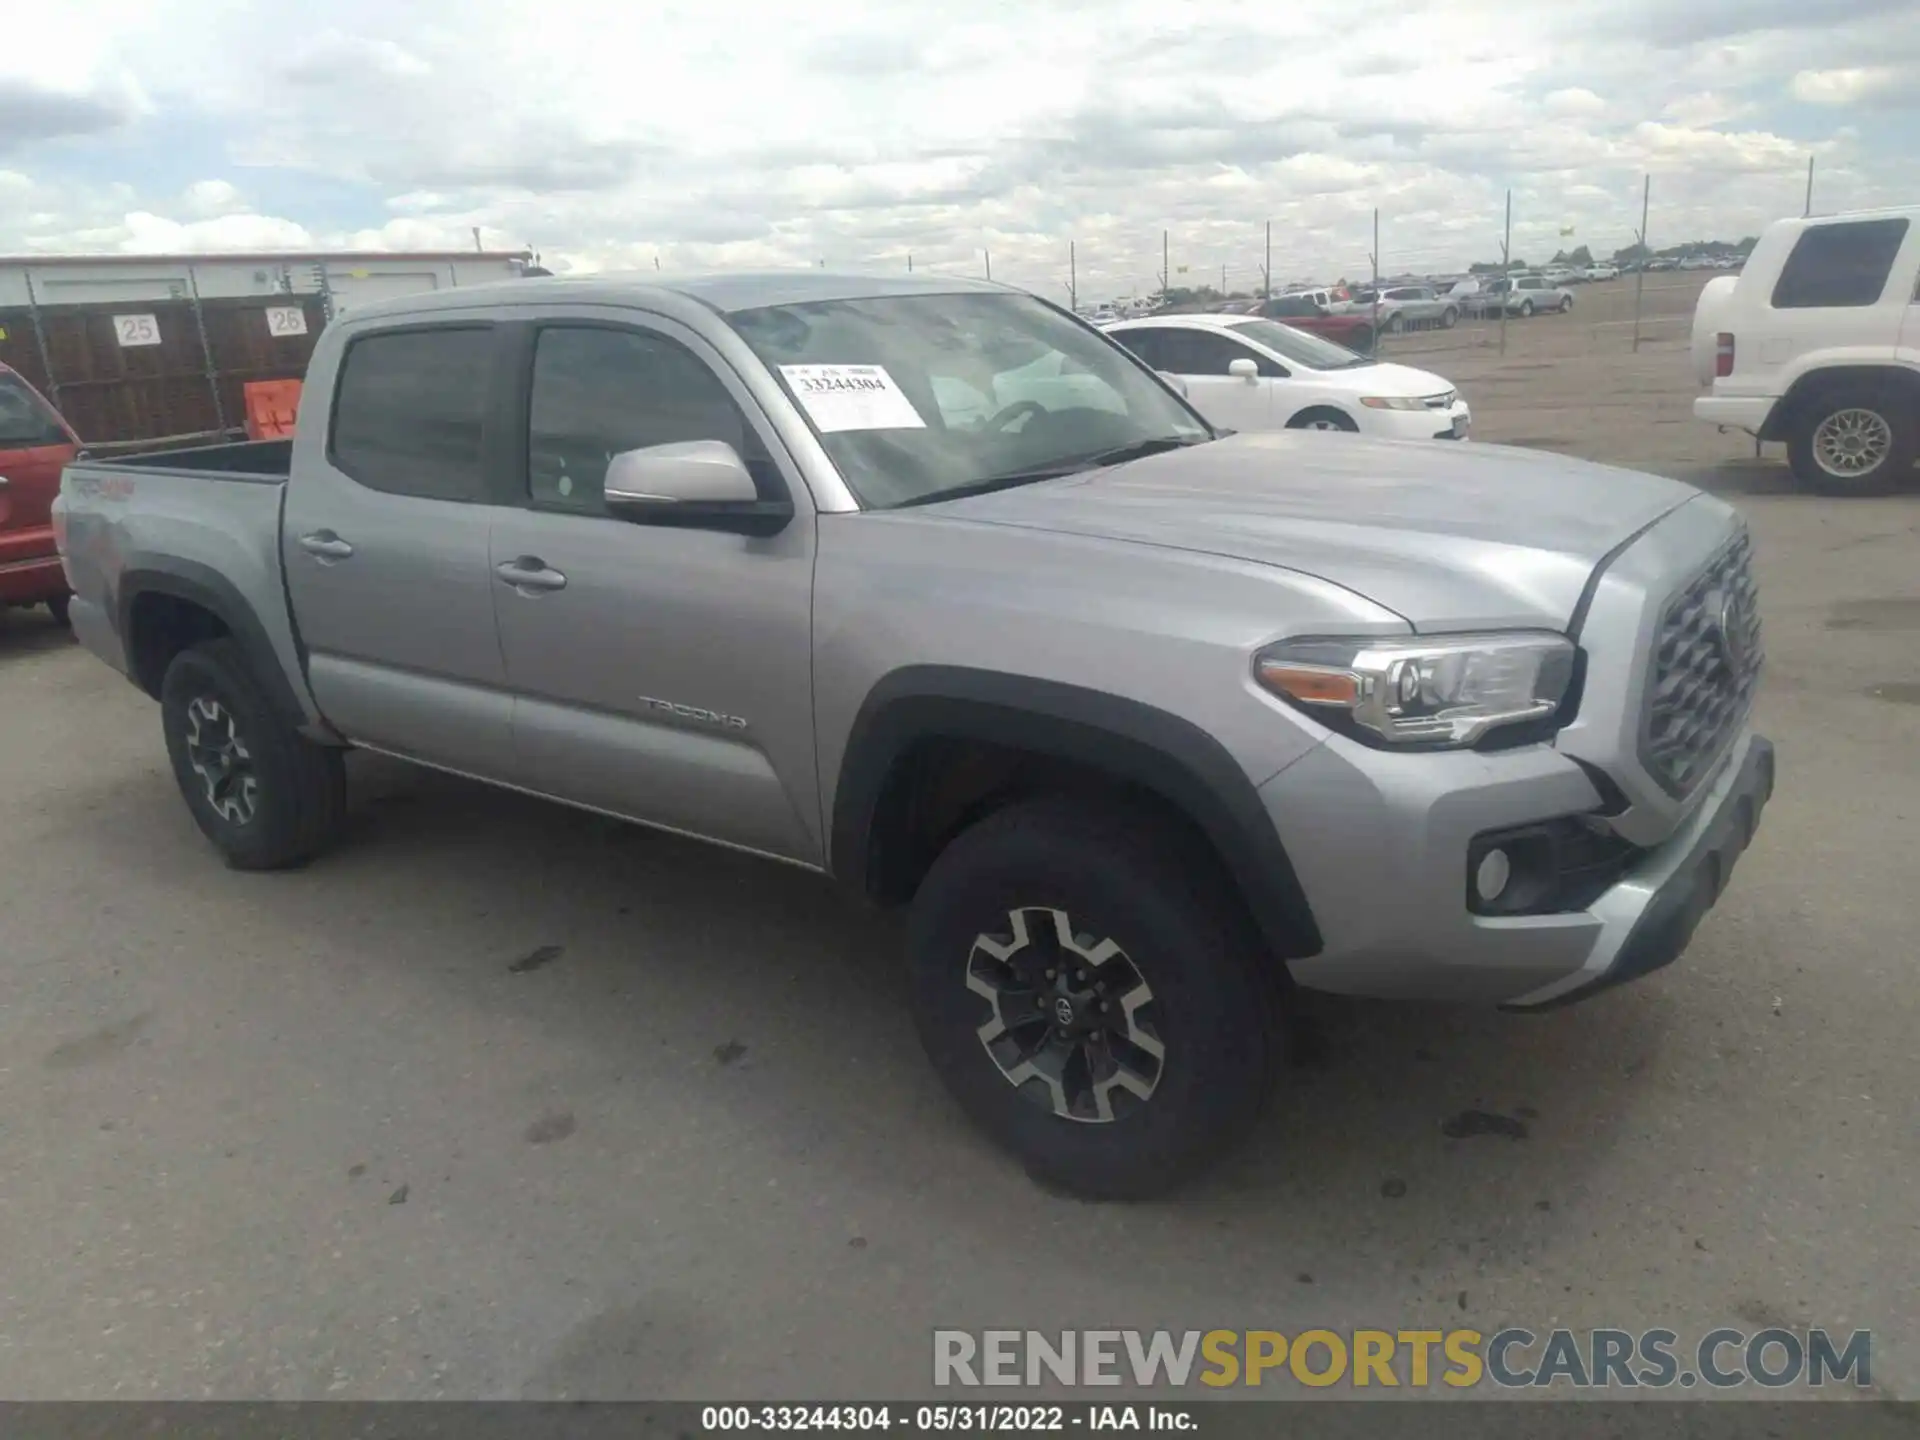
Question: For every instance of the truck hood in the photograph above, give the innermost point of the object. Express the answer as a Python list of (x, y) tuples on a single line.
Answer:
[(1450, 537)]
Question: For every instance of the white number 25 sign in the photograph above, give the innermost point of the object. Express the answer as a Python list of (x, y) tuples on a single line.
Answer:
[(136, 330), (286, 320)]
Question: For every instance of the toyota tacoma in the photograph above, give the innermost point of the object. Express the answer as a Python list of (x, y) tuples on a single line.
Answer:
[(926, 585)]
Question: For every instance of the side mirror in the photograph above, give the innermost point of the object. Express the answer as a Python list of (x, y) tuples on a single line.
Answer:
[(1243, 369), (1173, 380), (692, 484)]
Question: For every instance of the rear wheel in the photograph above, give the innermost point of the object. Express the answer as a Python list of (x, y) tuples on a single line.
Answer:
[(1566, 303), (1090, 992), (1395, 323), (1526, 309), (1853, 444), (1449, 318), (265, 796)]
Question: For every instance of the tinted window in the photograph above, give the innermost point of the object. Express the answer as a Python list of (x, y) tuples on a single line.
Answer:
[(1197, 352), (408, 411), (598, 392), (1145, 343), (1836, 265), (24, 420)]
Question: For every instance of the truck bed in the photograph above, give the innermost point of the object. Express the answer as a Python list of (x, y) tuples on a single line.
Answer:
[(259, 460), (195, 525)]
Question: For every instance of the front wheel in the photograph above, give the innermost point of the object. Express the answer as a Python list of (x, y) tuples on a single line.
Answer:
[(1449, 318), (264, 795), (1526, 309), (1853, 444), (57, 607), (1322, 419), (1090, 993), (1566, 304), (1395, 324)]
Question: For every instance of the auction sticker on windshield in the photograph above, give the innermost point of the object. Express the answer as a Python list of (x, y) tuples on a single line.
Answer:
[(852, 397)]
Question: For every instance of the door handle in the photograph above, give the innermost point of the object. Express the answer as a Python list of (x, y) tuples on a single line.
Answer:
[(324, 545), (530, 573)]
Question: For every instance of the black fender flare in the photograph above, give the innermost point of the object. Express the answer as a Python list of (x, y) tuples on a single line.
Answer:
[(1136, 743), (213, 592)]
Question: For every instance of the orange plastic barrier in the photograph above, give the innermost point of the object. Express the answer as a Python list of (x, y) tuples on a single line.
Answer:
[(271, 408)]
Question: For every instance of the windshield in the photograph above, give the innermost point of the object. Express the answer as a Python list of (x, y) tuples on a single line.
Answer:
[(1300, 348), (916, 396)]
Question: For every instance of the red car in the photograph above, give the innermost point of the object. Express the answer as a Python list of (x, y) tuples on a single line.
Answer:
[(35, 446), (1304, 313)]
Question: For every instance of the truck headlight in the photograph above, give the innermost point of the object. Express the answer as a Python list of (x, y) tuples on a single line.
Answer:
[(1442, 691)]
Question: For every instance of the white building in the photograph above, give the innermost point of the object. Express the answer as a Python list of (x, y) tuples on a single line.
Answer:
[(349, 278)]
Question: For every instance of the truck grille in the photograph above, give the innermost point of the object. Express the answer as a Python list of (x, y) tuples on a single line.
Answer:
[(1706, 664)]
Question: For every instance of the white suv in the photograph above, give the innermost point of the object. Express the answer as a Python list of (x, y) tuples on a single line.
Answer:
[(1817, 344)]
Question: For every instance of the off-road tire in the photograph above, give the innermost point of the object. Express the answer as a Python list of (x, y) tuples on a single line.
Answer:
[(299, 797), (1158, 896)]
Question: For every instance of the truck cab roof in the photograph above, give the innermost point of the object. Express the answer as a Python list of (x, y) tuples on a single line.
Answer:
[(723, 293)]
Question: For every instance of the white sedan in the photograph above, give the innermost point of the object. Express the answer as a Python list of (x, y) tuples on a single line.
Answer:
[(1246, 373)]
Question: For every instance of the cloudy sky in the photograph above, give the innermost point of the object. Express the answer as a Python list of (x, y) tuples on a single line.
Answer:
[(608, 134)]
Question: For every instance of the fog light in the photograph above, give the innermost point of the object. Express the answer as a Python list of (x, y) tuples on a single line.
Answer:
[(1492, 876)]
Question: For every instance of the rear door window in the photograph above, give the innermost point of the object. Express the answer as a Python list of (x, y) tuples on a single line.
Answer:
[(1145, 343), (1840, 266), (409, 411)]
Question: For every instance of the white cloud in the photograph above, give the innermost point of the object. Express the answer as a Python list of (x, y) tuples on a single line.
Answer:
[(1574, 103), (207, 199), (1843, 87), (718, 136)]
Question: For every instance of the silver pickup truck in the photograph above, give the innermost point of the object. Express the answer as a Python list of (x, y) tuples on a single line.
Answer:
[(931, 587)]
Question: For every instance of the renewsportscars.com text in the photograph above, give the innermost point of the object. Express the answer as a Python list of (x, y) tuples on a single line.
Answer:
[(1512, 1358)]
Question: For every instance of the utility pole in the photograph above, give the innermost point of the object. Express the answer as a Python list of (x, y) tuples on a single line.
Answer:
[(1166, 266), (1266, 271), (989, 257), (1506, 271), (1223, 280), (1809, 185), (478, 246), (1073, 279), (909, 262), (1375, 258), (1640, 275)]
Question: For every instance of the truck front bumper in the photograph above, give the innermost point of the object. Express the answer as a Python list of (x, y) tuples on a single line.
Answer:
[(1381, 844)]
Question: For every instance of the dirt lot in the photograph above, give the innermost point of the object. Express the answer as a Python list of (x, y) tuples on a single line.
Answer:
[(335, 1133), (1574, 384)]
